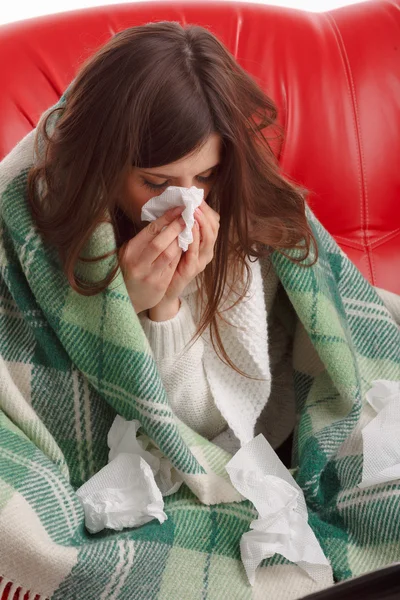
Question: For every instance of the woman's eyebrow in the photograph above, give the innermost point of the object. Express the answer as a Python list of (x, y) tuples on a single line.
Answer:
[(163, 176)]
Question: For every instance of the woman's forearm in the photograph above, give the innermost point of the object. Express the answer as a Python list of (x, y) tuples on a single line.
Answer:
[(165, 310)]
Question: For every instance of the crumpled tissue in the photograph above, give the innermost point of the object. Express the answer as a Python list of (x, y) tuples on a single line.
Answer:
[(174, 196), (122, 494), (282, 527), (122, 438), (381, 437), (128, 492)]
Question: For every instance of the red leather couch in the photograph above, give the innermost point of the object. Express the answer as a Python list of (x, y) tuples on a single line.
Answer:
[(335, 77)]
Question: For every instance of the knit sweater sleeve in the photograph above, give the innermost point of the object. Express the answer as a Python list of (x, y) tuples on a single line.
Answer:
[(181, 369)]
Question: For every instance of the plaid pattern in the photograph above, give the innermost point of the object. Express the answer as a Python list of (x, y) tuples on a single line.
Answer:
[(70, 363), (345, 338)]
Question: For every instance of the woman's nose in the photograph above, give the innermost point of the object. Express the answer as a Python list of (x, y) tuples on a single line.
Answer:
[(185, 182)]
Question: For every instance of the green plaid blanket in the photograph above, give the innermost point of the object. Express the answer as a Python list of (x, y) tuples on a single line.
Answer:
[(70, 363)]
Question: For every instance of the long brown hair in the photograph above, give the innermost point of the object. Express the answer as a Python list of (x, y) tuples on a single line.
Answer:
[(150, 96)]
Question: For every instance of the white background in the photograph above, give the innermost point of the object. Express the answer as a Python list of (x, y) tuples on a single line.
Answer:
[(15, 10)]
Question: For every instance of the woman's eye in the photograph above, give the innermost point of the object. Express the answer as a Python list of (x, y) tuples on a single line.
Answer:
[(160, 186), (207, 179), (154, 186)]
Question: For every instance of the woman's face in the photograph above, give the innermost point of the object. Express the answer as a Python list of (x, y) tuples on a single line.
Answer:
[(198, 169)]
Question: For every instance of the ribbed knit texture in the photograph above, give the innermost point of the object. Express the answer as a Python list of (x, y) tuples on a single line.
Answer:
[(197, 381), (182, 371), (207, 394)]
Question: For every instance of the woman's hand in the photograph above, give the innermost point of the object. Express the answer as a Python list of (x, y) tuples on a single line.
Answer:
[(148, 261), (192, 262)]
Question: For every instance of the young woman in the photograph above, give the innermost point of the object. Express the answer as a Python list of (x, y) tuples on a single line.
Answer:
[(162, 105)]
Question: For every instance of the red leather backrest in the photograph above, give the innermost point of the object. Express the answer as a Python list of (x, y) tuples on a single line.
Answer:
[(335, 77)]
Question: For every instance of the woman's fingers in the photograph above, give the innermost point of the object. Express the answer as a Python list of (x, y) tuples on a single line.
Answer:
[(168, 257), (198, 255), (192, 252), (206, 231), (210, 214), (208, 235), (155, 227), (169, 270), (158, 236), (196, 238)]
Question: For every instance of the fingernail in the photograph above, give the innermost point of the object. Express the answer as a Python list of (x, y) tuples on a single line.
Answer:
[(181, 221)]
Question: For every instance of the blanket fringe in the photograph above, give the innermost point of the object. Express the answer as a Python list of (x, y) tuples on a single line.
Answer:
[(12, 591)]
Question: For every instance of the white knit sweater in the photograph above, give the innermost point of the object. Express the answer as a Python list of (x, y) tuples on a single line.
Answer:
[(205, 393)]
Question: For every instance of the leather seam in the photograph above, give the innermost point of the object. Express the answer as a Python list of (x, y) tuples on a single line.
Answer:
[(377, 242), (361, 173), (385, 238), (366, 246)]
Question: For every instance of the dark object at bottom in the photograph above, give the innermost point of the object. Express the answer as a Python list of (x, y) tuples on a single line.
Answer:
[(285, 451), (383, 584)]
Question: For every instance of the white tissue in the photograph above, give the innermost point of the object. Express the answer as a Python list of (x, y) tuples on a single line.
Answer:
[(381, 437), (259, 475), (128, 492), (122, 438), (174, 196), (122, 494)]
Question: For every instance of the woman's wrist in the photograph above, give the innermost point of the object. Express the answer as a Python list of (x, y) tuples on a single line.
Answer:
[(165, 310)]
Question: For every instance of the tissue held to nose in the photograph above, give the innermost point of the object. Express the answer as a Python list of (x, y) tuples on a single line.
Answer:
[(173, 196)]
